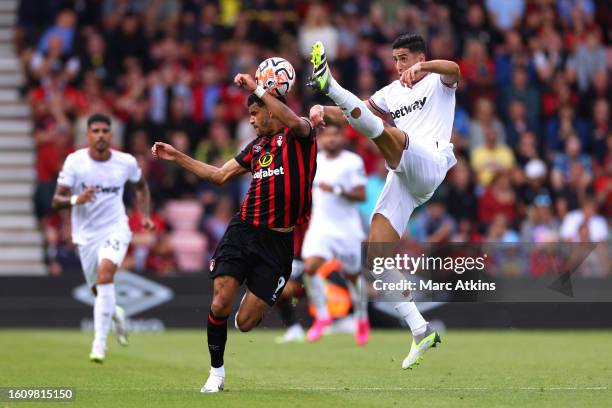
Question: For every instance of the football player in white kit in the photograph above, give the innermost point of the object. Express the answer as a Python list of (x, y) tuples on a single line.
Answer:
[(335, 230), (91, 184), (417, 150)]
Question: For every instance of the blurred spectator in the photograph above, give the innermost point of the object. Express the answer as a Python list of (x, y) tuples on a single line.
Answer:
[(169, 82), (96, 58), (498, 231), (478, 70), (541, 226), (535, 172), (142, 240), (434, 224), (60, 253), (485, 117), (161, 259), (549, 56), (177, 182), (527, 148), (498, 199), (584, 224), (461, 198), (599, 128), (490, 157), (317, 27), (505, 14), (511, 56), (62, 32), (517, 123), (128, 39), (218, 146), (600, 89), (215, 224), (571, 160), (52, 147), (588, 58), (563, 127), (477, 29), (521, 90), (180, 119), (54, 59)]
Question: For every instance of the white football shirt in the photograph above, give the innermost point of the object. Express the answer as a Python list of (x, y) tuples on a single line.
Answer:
[(334, 215), (106, 213), (425, 111)]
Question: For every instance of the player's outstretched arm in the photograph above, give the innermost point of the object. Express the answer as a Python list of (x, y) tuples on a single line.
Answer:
[(209, 173), (449, 71), (297, 125), (143, 203)]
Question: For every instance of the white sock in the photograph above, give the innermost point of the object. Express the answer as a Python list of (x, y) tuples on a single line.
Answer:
[(116, 313), (359, 298), (396, 277), (412, 316), (356, 111), (104, 308), (218, 371), (315, 289)]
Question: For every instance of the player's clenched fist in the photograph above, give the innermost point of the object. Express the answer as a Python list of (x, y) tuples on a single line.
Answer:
[(409, 76), (245, 81), (163, 151), (317, 116), (87, 196)]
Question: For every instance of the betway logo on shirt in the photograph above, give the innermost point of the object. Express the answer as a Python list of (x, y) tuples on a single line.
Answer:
[(261, 173), (103, 189), (407, 109)]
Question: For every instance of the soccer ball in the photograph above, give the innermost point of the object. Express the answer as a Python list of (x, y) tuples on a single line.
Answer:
[(276, 75)]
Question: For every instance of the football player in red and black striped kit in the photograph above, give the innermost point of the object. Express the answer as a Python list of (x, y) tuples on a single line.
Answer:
[(257, 248)]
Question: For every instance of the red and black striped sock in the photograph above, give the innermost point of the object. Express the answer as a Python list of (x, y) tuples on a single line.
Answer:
[(217, 337)]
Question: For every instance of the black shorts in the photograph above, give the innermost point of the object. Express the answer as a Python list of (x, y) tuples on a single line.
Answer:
[(259, 256)]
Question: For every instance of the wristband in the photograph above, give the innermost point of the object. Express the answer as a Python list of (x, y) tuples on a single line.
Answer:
[(259, 91), (73, 200), (337, 190)]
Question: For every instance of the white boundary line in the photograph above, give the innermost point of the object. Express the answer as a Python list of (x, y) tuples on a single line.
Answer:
[(315, 389)]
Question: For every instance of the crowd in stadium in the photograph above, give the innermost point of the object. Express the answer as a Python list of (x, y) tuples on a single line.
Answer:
[(531, 131)]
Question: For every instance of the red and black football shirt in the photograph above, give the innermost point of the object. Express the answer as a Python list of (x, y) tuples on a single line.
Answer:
[(283, 167)]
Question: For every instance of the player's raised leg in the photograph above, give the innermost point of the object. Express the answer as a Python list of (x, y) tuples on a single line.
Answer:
[(424, 338), (390, 141)]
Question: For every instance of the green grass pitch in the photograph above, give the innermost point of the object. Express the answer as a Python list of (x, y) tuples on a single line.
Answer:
[(470, 368)]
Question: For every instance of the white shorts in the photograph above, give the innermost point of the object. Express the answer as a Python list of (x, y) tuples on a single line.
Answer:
[(112, 247), (346, 250), (421, 170)]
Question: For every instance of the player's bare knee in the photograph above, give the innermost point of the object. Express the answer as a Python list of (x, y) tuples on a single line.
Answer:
[(104, 276), (245, 323), (219, 307)]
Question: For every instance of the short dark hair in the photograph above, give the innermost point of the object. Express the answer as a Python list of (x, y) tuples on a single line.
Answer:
[(255, 99), (413, 42), (98, 117)]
